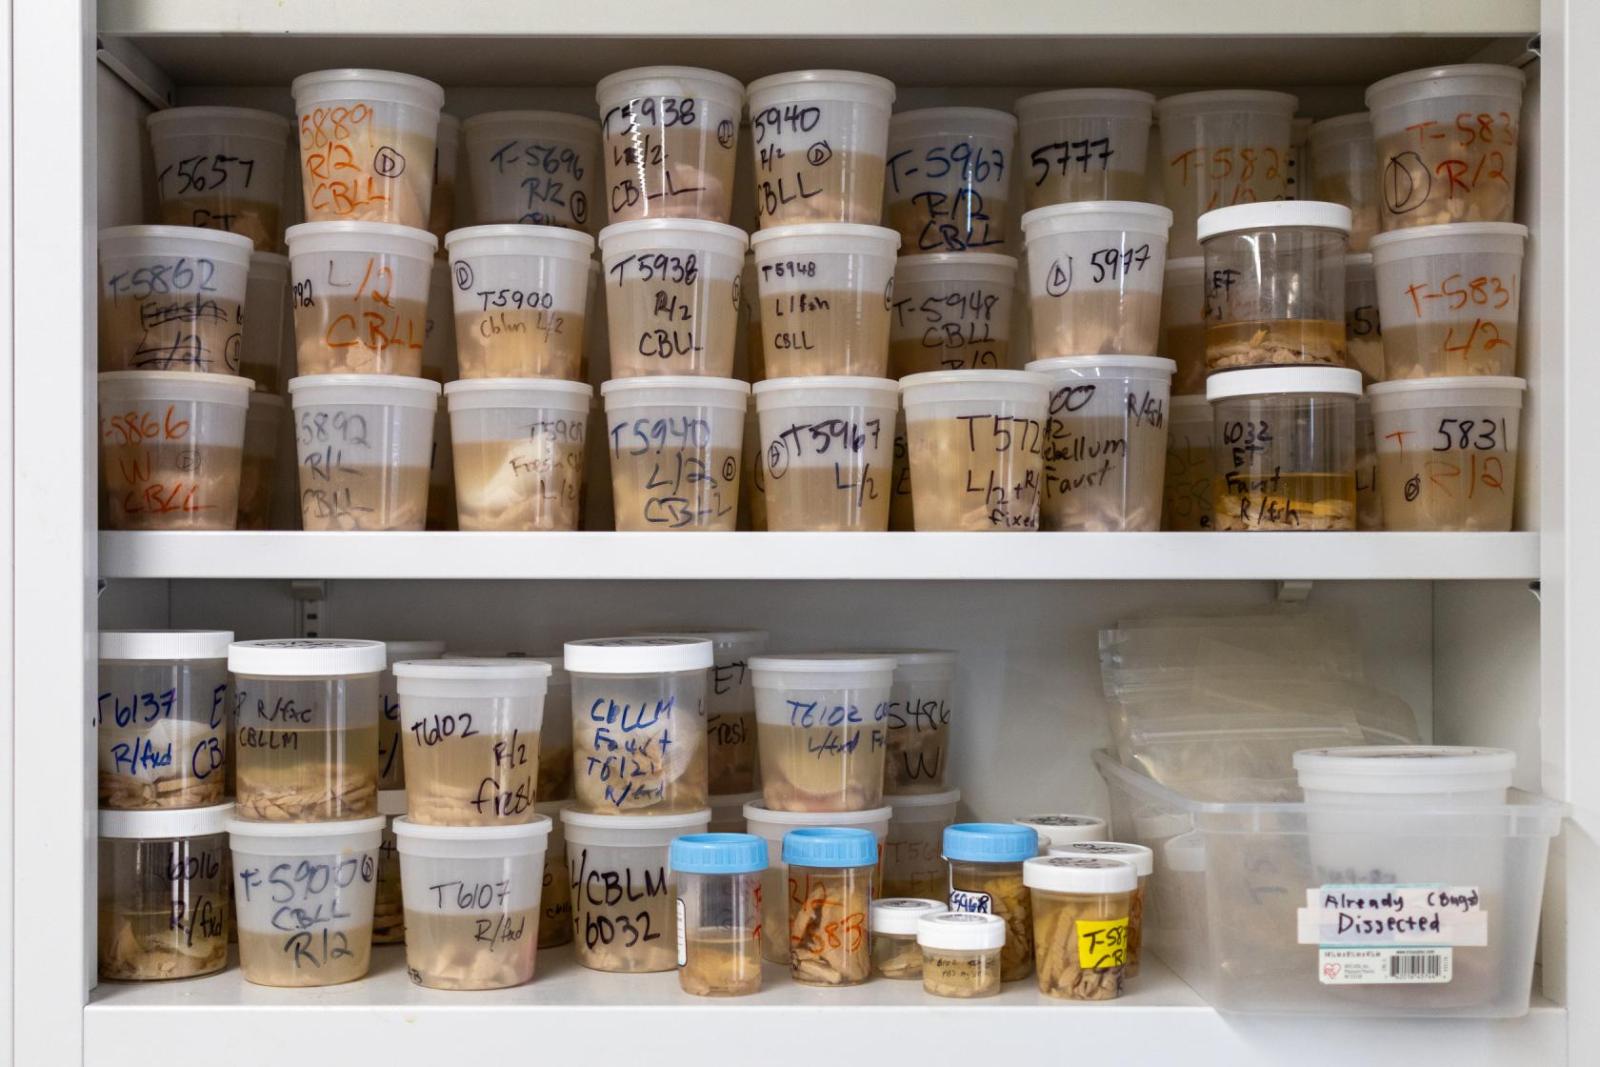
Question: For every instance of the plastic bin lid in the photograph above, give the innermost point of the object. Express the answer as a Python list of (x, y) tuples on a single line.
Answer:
[(1268, 381), (637, 655), (961, 930), (717, 854), (990, 842), (830, 846), (1271, 214), (306, 657), (1457, 79), (391, 802), (165, 823), (1065, 829), (164, 644), (1140, 858), (1388, 769), (1079, 874), (899, 915)]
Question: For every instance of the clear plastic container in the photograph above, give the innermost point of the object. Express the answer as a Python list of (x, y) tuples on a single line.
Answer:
[(1183, 324), (555, 900), (1057, 830), (1447, 452), (1285, 449), (220, 168), (303, 896), (1369, 503), (1344, 171), (901, 516), (1105, 441), (624, 893), (727, 810), (921, 702), (951, 311), (367, 145), (826, 293), (360, 296), (1363, 325), (470, 733), (823, 724), (172, 298), (1447, 144), (961, 953), (986, 877), (675, 445), (388, 907), (1083, 144), (1142, 859), (391, 734), (1095, 272), (671, 135), (732, 765), (1275, 284), (753, 486), (472, 902), (1450, 297), (162, 718), (1299, 179), (555, 740), (171, 448), (163, 893), (539, 168), (261, 342), (820, 138), (364, 442), (1189, 477), (518, 448), (719, 912), (446, 156), (1220, 148), (893, 925), (831, 874), (826, 451), (520, 300), (975, 448), (913, 853), (639, 723), (672, 296), (1082, 924), (307, 712), (948, 177), (439, 365)]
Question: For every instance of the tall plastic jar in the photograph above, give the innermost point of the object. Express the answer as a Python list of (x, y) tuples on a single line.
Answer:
[(948, 172), (823, 729), (1142, 860), (163, 893), (826, 291), (1083, 144), (913, 853), (639, 724), (920, 707), (731, 762), (172, 298), (820, 138), (674, 444), (831, 873), (221, 168), (391, 765), (719, 912), (539, 168), (1189, 477), (1057, 830), (1081, 910), (986, 876), (670, 138)]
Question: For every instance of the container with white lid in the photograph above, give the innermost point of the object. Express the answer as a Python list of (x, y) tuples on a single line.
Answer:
[(921, 703), (391, 765), (388, 908), (1344, 171), (540, 168), (1142, 860), (1083, 144), (307, 728), (671, 136), (172, 298), (163, 717), (948, 175), (222, 168), (1057, 830), (826, 450), (518, 448), (826, 289), (951, 311), (1405, 775), (674, 443), (1183, 324), (1082, 914), (1188, 479), (639, 723), (893, 922), (731, 763), (823, 725), (913, 853), (961, 953), (163, 895), (519, 300)]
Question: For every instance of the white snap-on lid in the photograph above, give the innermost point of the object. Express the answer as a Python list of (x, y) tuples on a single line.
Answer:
[(391, 802), (1085, 216), (961, 931), (899, 915), (1065, 829), (126, 385), (1466, 391), (1461, 79), (344, 235), (229, 246), (1390, 769), (1254, 100), (354, 83), (954, 266), (500, 839), (957, 121), (1140, 858), (842, 389), (529, 394), (1274, 214), (300, 837), (669, 81), (493, 670), (822, 663), (395, 651), (398, 390), (653, 389), (1452, 238), (799, 85), (527, 122), (1079, 874), (910, 806), (586, 820), (237, 120), (164, 644), (637, 655), (652, 235), (165, 823), (306, 657), (1352, 127), (973, 385), (1273, 381), (1154, 368), (819, 238), (519, 239)]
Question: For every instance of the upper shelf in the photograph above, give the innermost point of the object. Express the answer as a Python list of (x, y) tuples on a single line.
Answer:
[(928, 556)]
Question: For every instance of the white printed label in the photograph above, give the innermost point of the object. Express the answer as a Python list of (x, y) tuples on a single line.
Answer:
[(1384, 966), (965, 900), (1369, 916), (683, 935)]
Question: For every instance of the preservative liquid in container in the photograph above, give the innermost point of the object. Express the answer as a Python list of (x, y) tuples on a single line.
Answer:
[(520, 300), (360, 296), (961, 953), (172, 298), (826, 451), (921, 704), (831, 872), (391, 765), (221, 168), (671, 135), (1189, 476), (947, 177), (826, 292), (1057, 830), (1142, 860), (893, 923), (1082, 907), (823, 728), (986, 876), (719, 912), (518, 449), (674, 445), (951, 311), (820, 138)]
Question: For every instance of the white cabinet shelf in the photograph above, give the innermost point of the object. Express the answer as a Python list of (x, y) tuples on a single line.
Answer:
[(929, 556)]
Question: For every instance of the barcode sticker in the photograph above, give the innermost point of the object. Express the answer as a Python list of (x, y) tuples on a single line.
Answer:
[(1385, 966)]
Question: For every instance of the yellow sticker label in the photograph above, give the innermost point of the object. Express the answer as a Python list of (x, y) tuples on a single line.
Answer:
[(1102, 943)]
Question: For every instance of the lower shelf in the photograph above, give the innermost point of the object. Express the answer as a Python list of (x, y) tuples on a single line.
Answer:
[(582, 1016)]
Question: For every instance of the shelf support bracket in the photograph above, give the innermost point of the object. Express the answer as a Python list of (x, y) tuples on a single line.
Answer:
[(1294, 591), (311, 608)]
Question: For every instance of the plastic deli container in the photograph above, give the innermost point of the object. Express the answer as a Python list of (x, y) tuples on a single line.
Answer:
[(162, 718), (1344, 171), (639, 723), (624, 892), (900, 511), (1447, 144), (261, 343), (731, 761), (307, 712), (446, 156), (303, 897), (472, 902), (949, 174), (1275, 284), (961, 953), (1447, 452), (172, 298), (1083, 144), (893, 923), (1082, 922), (367, 145), (826, 451), (1285, 450), (671, 135), (1363, 324), (220, 168), (540, 168), (391, 734), (1105, 441), (518, 449), (364, 443), (1369, 504), (360, 296), (470, 733), (162, 903), (439, 339), (555, 900), (388, 908), (1183, 324), (1142, 859), (778, 890), (727, 811), (823, 723), (672, 296), (826, 293), (831, 875), (913, 853), (975, 448), (1220, 148), (1450, 298), (520, 298), (820, 138), (1057, 830), (1189, 478), (951, 311), (170, 449), (1095, 272), (719, 912), (921, 702), (986, 876), (674, 445)]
